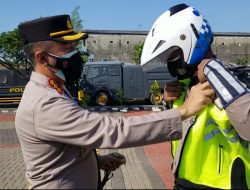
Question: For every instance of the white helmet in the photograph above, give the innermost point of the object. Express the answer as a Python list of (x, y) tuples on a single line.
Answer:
[(180, 27)]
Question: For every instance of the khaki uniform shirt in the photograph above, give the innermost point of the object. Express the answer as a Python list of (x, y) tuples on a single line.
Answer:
[(239, 115), (58, 137)]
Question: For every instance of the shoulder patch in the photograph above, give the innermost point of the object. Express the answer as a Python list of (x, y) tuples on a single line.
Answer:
[(54, 84)]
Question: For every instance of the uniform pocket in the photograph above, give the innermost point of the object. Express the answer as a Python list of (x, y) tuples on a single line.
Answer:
[(220, 159)]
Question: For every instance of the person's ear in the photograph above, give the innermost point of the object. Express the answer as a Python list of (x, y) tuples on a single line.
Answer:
[(209, 54), (41, 58)]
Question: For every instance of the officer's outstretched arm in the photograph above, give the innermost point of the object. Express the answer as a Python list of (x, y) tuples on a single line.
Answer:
[(234, 97)]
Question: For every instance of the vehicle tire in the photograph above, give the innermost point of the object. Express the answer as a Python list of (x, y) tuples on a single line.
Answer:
[(102, 99), (156, 99)]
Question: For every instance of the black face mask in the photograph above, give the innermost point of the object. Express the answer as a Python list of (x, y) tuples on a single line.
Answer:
[(70, 64)]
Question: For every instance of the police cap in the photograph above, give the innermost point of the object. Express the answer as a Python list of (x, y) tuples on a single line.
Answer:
[(56, 28)]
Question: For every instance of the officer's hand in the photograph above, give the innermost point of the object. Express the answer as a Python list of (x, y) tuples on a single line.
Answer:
[(172, 91), (199, 96), (200, 73), (111, 161), (209, 55)]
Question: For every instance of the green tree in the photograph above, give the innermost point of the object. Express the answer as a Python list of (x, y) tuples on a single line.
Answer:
[(137, 52), (242, 60), (78, 26), (11, 54), (120, 96), (76, 19)]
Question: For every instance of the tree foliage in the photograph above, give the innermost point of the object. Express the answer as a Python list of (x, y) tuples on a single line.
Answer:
[(76, 19), (155, 88), (242, 60), (137, 53), (120, 96), (11, 55), (77, 25)]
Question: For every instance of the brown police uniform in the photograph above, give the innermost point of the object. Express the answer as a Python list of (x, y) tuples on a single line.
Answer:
[(239, 114), (58, 137)]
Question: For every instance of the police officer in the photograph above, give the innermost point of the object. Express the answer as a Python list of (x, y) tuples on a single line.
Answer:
[(58, 138), (211, 154)]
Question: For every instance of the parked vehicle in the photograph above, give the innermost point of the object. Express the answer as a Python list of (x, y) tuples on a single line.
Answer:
[(242, 72), (11, 86), (103, 80)]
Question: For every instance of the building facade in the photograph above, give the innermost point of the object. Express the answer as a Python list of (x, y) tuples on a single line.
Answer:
[(117, 45)]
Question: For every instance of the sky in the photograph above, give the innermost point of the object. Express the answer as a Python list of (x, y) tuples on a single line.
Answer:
[(223, 15)]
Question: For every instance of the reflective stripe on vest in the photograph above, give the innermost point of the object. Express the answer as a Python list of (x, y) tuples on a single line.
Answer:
[(211, 146)]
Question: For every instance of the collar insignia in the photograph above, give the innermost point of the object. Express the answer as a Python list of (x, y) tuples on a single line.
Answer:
[(54, 84)]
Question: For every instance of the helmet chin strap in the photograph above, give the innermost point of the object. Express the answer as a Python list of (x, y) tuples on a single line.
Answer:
[(175, 59), (178, 68), (188, 74)]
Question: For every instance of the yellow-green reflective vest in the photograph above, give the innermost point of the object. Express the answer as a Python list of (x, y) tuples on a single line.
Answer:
[(211, 146)]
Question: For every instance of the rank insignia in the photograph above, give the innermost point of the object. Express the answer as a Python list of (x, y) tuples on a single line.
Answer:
[(55, 85)]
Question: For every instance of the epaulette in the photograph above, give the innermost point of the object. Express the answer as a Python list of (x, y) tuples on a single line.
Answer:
[(55, 85)]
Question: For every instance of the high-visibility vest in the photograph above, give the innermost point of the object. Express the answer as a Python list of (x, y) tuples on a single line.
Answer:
[(211, 146)]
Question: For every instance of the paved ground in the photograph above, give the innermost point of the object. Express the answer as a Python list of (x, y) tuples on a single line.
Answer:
[(147, 167)]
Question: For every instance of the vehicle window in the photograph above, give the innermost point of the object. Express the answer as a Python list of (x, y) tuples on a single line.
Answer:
[(114, 71), (93, 72), (3, 77), (104, 70), (84, 72)]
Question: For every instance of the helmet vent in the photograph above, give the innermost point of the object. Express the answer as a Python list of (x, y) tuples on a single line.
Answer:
[(177, 8), (159, 45), (153, 31), (195, 30)]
